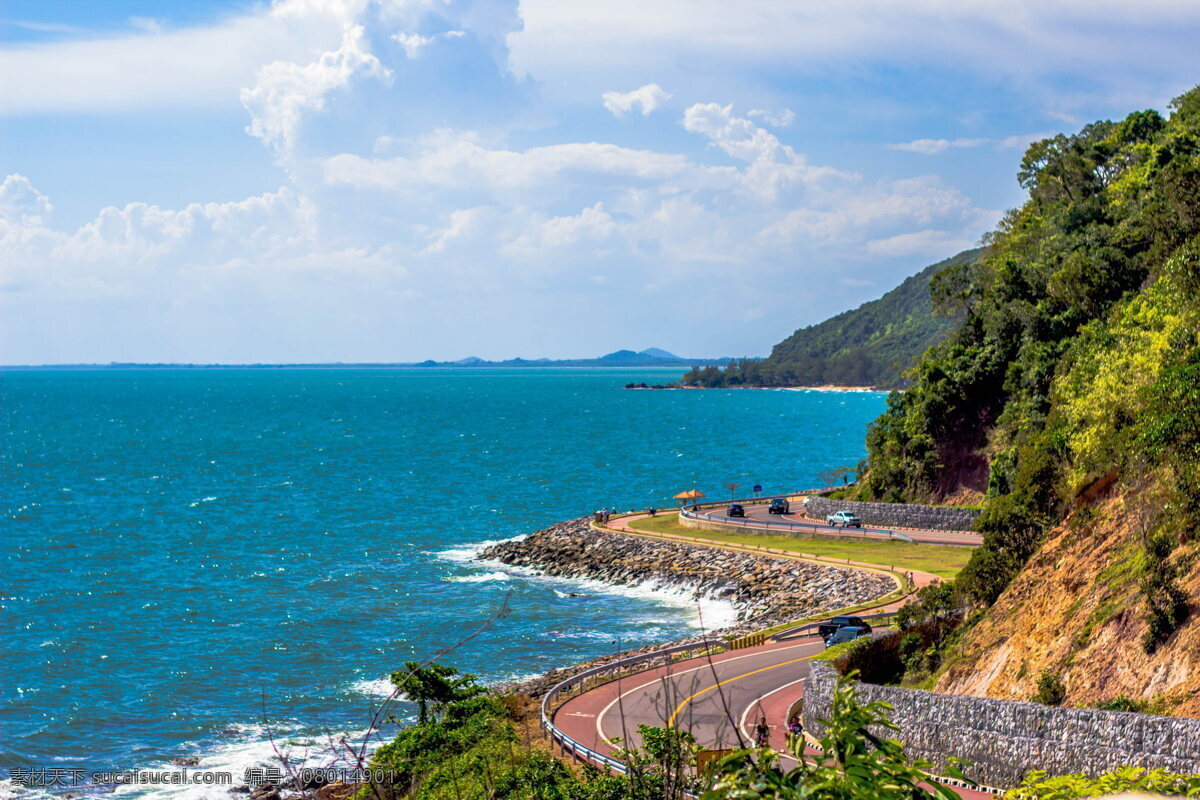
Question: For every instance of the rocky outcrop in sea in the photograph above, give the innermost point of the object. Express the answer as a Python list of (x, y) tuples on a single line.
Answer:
[(765, 590)]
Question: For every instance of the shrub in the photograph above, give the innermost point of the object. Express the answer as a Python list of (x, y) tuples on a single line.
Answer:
[(1050, 690)]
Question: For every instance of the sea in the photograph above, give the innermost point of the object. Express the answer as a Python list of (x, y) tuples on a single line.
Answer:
[(226, 564)]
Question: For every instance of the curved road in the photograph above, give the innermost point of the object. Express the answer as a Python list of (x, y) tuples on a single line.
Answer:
[(720, 698)]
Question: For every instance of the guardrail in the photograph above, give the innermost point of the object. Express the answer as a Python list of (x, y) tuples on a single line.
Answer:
[(784, 525), (645, 660)]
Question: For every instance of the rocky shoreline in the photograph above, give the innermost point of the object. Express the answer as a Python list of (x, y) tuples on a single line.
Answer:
[(764, 590)]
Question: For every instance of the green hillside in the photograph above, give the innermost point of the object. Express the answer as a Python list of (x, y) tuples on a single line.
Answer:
[(871, 345), (1068, 400)]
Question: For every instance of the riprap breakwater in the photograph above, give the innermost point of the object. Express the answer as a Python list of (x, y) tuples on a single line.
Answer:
[(765, 590)]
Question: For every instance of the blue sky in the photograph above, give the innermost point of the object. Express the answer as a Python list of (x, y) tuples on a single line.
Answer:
[(366, 180)]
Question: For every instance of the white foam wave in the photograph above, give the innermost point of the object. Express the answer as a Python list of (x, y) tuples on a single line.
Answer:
[(255, 746), (380, 687), (482, 577), (707, 613), (201, 500), (469, 553)]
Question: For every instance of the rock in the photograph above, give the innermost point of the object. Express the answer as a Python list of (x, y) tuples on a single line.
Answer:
[(266, 791), (186, 761), (338, 790), (764, 589)]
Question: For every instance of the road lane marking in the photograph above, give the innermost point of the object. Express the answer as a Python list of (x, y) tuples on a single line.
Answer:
[(758, 700), (692, 697), (708, 665)]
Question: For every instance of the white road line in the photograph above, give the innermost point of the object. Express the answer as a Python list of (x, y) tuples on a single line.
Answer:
[(742, 722), (600, 717)]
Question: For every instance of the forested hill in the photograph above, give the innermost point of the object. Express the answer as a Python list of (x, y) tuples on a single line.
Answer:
[(1068, 403), (874, 343), (871, 345)]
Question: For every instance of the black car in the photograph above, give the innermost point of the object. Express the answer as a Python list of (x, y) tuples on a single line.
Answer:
[(735, 510), (831, 626), (778, 505)]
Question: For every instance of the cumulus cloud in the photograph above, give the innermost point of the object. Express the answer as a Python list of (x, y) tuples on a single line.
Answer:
[(932, 147), (647, 98), (284, 91), (414, 43), (776, 119), (928, 243), (196, 67), (457, 160)]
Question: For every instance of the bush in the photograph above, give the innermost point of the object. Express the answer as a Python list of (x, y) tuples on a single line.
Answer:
[(1040, 786), (1050, 690)]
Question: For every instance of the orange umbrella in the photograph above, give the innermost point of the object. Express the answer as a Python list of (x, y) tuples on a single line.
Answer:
[(690, 494)]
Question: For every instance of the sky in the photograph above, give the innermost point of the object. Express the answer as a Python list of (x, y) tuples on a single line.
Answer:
[(396, 180)]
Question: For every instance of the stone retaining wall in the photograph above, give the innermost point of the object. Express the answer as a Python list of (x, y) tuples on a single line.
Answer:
[(1004, 739), (897, 515)]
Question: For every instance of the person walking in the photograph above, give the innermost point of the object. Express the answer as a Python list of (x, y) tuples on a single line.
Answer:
[(762, 733), (795, 727)]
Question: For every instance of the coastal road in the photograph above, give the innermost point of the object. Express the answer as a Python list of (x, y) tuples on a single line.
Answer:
[(718, 699), (758, 513)]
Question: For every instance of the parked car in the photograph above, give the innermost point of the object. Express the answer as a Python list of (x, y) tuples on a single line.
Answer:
[(778, 505), (847, 519), (831, 626), (735, 510), (846, 634)]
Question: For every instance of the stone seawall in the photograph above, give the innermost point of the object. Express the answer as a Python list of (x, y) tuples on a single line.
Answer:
[(897, 515), (1004, 739), (764, 590)]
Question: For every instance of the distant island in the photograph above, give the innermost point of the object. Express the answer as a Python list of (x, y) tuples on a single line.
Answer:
[(650, 357)]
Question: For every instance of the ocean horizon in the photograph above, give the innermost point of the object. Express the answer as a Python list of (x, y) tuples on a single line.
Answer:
[(203, 564)]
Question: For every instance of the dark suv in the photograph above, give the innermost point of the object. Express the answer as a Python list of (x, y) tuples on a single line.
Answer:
[(735, 510), (829, 627), (778, 505)]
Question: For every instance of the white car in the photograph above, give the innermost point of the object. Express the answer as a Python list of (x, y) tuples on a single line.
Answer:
[(847, 519)]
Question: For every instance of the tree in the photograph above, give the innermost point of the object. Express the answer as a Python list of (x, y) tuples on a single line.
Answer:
[(732, 487), (434, 687)]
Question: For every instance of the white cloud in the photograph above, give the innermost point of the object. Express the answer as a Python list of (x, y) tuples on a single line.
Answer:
[(928, 243), (776, 119), (414, 43), (284, 90), (693, 42), (451, 159), (932, 147), (647, 98), (202, 66), (592, 225)]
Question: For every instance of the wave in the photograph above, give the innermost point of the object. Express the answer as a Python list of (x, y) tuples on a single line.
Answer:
[(706, 613), (482, 577), (201, 500), (469, 553)]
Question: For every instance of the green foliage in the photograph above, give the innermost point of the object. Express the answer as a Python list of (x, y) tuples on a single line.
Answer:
[(434, 686), (855, 763), (1156, 705), (662, 766), (1078, 354), (1050, 690), (1166, 603), (871, 345), (1040, 786)]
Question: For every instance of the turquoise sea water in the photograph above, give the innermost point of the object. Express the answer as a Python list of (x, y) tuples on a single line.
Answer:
[(195, 559)]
